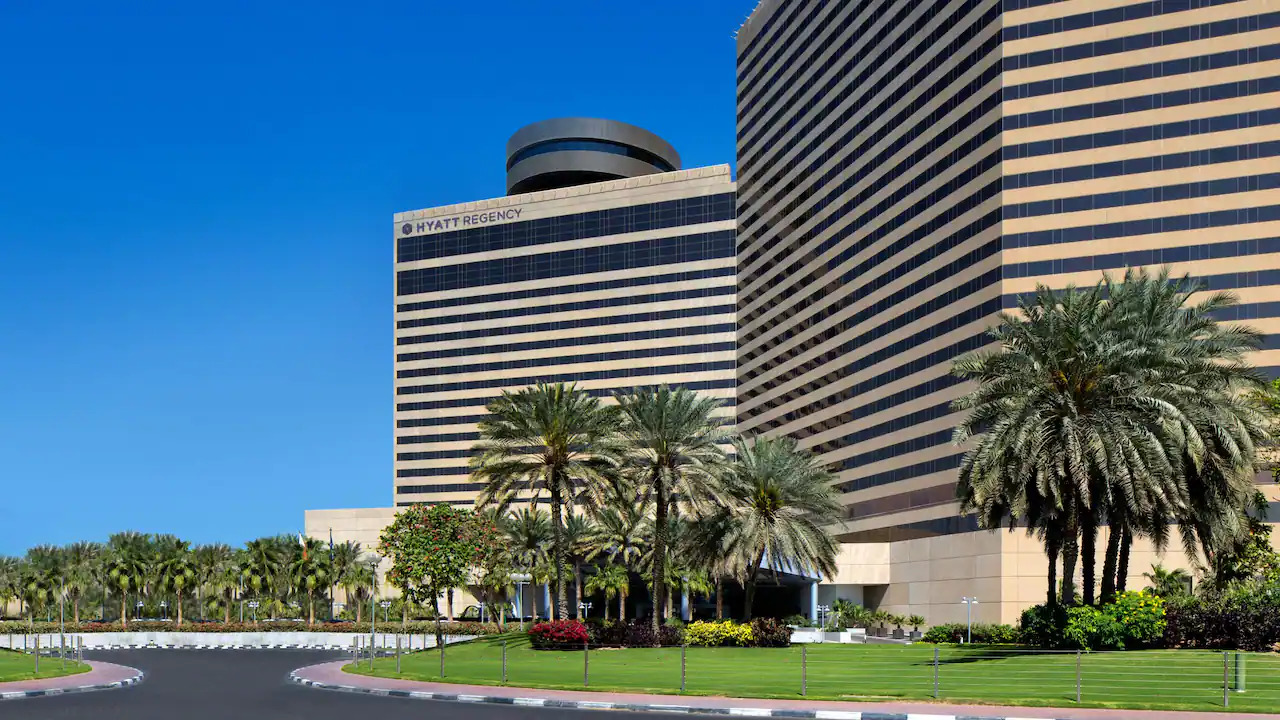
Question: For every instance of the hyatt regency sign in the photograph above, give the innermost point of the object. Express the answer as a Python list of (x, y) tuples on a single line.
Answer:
[(459, 222)]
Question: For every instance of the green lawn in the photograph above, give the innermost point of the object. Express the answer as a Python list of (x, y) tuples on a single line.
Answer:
[(1156, 679), (16, 666)]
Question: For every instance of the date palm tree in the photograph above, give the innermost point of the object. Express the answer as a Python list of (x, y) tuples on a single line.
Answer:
[(261, 566), (579, 533), (10, 580), (346, 556), (82, 572), (357, 584), (309, 571), (672, 441), (529, 533), (209, 563), (42, 581), (174, 569), (612, 580), (126, 566), (552, 439), (779, 501)]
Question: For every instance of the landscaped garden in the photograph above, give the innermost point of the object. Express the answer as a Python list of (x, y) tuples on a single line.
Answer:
[(1151, 679), (16, 666)]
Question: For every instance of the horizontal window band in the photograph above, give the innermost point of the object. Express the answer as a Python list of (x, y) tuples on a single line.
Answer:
[(442, 437), (653, 316), (1143, 196), (1140, 258), (571, 359), (599, 303), (1108, 16), (1142, 165), (579, 261), (570, 342), (590, 145), (566, 228), (814, 66), (441, 488), (432, 472), (902, 502), (915, 444), (429, 422), (1145, 133), (1143, 41), (1144, 226), (940, 527), (842, 85), (619, 374), (724, 384), (677, 277), (1142, 73), (907, 472), (1141, 103), (456, 503), (433, 455)]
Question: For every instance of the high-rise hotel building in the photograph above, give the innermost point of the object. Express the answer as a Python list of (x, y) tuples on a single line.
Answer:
[(907, 168), (606, 265)]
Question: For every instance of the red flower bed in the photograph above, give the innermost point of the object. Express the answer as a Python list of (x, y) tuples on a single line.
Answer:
[(559, 635)]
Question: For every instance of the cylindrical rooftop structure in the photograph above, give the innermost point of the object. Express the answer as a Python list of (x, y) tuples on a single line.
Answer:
[(563, 152)]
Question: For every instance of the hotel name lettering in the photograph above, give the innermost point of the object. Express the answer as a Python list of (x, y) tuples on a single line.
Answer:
[(460, 222)]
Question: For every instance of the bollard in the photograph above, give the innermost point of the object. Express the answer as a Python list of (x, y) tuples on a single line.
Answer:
[(1226, 687), (683, 648), (804, 670), (80, 649), (504, 662), (355, 650), (38, 655), (1240, 683), (62, 650), (586, 665), (1077, 677), (444, 641), (24, 643), (397, 653), (935, 672)]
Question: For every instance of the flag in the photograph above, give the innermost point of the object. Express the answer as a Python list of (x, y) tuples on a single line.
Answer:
[(330, 544), (304, 547)]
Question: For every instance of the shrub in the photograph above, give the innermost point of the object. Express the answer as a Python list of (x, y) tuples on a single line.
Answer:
[(767, 632), (1140, 618), (559, 635), (798, 621), (1246, 617), (1043, 626), (719, 633), (983, 634), (1134, 620), (634, 633)]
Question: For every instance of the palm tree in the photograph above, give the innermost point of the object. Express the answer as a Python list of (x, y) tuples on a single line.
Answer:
[(529, 531), (621, 534), (42, 580), (672, 441), (82, 565), (346, 556), (1168, 583), (612, 580), (209, 563), (578, 537), (779, 500), (357, 584), (224, 578), (126, 566), (308, 571), (709, 536), (555, 439), (1120, 403), (10, 580), (174, 568), (261, 565)]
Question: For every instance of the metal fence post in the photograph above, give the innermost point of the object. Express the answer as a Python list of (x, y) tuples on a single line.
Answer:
[(1240, 671), (80, 649), (1077, 677), (397, 653), (443, 642), (504, 662), (804, 670), (683, 648), (935, 672), (1226, 686), (37, 653), (586, 665)]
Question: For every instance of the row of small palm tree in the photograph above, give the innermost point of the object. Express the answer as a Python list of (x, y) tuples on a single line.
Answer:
[(1126, 405), (670, 491), (283, 572)]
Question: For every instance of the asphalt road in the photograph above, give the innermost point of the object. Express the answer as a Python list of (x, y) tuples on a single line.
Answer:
[(250, 684)]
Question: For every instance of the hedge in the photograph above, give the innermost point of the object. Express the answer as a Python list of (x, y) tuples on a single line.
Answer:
[(983, 634)]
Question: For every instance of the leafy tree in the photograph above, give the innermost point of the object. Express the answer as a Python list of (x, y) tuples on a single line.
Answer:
[(672, 442), (611, 580), (553, 439), (491, 572), (780, 500), (431, 550)]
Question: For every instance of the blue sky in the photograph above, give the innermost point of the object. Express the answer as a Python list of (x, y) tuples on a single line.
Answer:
[(195, 206)]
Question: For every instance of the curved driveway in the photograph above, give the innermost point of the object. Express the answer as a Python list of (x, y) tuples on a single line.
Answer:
[(249, 684)]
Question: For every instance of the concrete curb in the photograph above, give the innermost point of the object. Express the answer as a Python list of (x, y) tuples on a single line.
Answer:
[(50, 692), (264, 646), (644, 707)]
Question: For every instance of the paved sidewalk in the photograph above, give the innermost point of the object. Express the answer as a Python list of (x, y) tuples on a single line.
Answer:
[(102, 676), (329, 676)]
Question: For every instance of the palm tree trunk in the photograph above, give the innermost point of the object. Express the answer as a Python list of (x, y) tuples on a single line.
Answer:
[(1070, 552), (448, 604), (226, 613), (622, 606), (751, 587), (179, 608), (1109, 561), (1088, 560), (124, 617), (1122, 569), (719, 598), (311, 607), (1053, 547), (577, 587), (557, 547), (659, 551), (75, 609), (359, 607)]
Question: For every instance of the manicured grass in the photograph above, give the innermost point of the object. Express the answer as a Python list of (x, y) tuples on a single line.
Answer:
[(1154, 679), (17, 666)]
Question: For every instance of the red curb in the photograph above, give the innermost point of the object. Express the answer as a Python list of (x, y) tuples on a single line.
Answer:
[(331, 674), (101, 673)]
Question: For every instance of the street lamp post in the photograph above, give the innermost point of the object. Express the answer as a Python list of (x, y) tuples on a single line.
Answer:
[(584, 609), (138, 613), (164, 610), (386, 610), (969, 602), (373, 612), (823, 615), (253, 606), (62, 622)]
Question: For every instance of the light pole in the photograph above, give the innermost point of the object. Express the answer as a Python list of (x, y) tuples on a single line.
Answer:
[(164, 610), (62, 622), (373, 612), (240, 595), (138, 613), (969, 602), (823, 616), (386, 610), (520, 579), (253, 606), (584, 609)]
